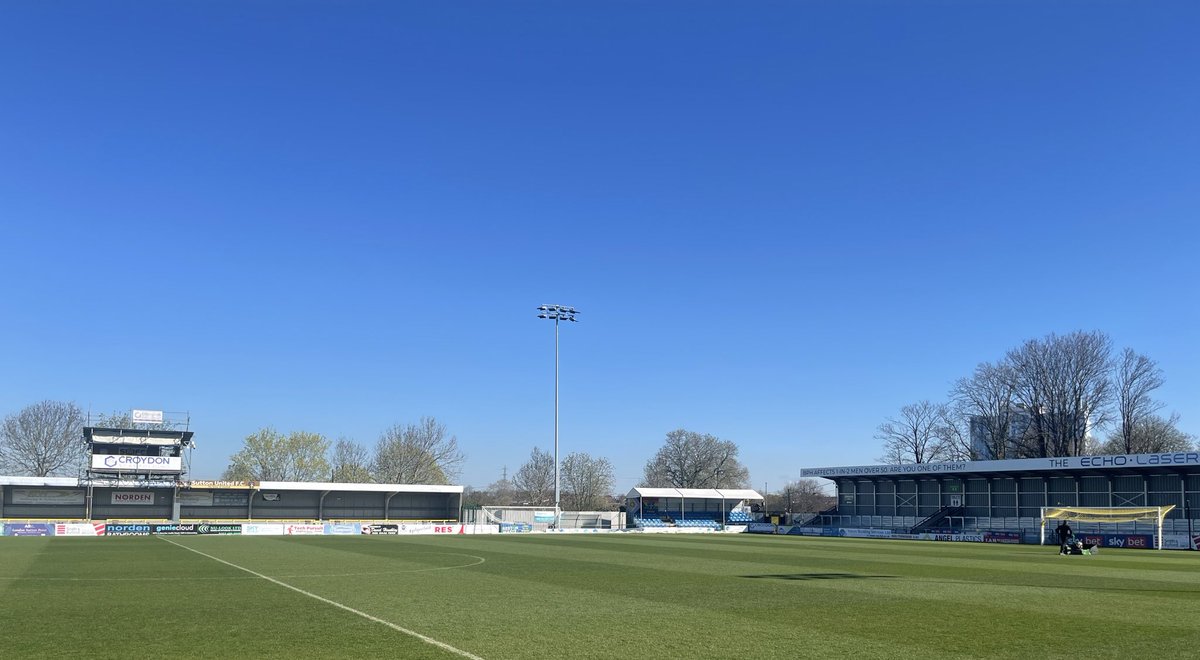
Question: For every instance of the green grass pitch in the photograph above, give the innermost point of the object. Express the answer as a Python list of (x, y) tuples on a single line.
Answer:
[(589, 596)]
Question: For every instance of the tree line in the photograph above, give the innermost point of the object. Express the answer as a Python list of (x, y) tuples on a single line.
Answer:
[(1061, 395), (44, 439)]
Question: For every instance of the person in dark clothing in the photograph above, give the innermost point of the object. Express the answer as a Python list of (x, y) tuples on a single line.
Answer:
[(1064, 534)]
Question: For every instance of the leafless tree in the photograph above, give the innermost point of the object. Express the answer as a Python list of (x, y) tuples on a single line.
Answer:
[(420, 453), (800, 496), (1064, 383), (1151, 434), (695, 460), (350, 462), (986, 403), (268, 455), (917, 436), (1137, 376), (534, 481), (586, 483), (498, 493), (43, 439)]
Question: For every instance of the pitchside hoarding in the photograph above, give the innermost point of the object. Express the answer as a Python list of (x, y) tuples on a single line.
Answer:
[(29, 529), (127, 529), (79, 529)]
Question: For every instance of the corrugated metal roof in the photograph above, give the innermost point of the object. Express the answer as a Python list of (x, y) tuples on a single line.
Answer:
[(695, 493)]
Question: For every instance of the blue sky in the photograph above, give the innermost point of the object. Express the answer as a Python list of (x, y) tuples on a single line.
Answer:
[(781, 221)]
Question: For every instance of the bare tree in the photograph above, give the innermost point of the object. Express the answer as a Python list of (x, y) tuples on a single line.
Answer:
[(954, 436), (268, 455), (420, 453), (43, 439), (916, 436), (800, 496), (986, 402), (695, 460), (498, 493), (1064, 383), (350, 463), (587, 483), (1152, 434), (534, 481), (1136, 377)]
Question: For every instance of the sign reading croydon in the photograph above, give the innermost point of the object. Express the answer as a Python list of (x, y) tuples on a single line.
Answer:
[(130, 463), (1175, 459)]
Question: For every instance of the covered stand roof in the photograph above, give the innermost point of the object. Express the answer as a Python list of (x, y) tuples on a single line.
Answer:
[(696, 493), (1164, 463)]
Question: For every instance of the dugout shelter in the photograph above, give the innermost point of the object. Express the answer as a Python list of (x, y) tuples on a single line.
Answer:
[(689, 507)]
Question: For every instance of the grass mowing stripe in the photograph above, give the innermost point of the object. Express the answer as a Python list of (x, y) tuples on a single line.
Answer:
[(412, 633)]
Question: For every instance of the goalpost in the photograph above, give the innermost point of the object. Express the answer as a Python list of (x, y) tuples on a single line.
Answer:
[(1107, 514), (536, 517)]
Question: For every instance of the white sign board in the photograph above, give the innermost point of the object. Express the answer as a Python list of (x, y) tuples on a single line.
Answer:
[(79, 529), (305, 529), (141, 498), (128, 463), (146, 416), (263, 529)]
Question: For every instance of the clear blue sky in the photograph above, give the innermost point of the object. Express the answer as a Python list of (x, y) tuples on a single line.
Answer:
[(781, 221)]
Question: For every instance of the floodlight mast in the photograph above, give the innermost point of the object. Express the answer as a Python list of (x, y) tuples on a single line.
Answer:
[(556, 313)]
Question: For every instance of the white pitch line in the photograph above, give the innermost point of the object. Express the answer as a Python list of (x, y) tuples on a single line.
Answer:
[(389, 624)]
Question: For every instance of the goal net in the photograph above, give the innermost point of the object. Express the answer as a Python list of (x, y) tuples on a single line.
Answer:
[(1112, 515), (532, 517)]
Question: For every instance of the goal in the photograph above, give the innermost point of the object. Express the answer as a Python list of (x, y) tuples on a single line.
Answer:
[(1111, 515), (534, 517)]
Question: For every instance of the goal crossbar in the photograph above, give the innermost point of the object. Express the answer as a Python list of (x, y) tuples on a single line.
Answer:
[(1107, 514)]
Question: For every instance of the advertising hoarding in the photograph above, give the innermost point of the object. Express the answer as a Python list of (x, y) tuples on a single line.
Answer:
[(28, 529), (130, 463), (263, 529), (304, 529), (219, 528), (127, 529)]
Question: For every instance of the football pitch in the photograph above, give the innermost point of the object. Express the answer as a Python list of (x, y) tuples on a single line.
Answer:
[(588, 596)]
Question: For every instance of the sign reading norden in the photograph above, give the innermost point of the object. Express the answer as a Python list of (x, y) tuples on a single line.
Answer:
[(141, 498)]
